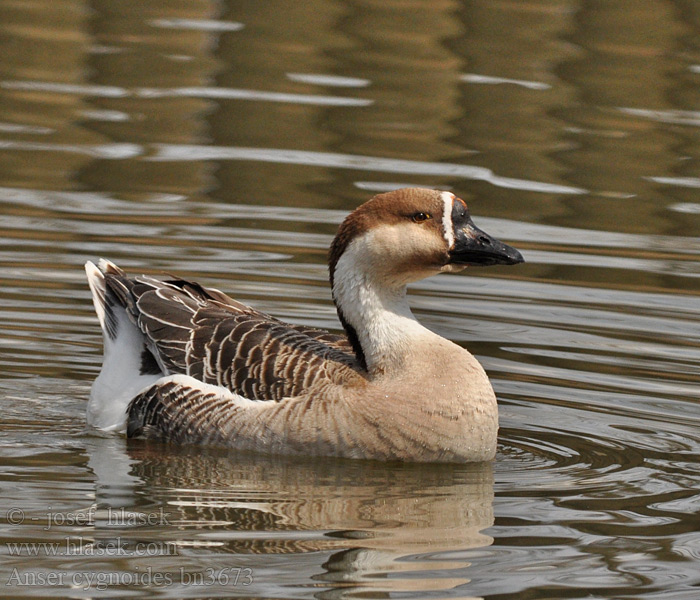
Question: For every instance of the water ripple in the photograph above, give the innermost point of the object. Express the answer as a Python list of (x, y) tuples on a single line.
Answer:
[(197, 24), (486, 79), (676, 117), (328, 80), (218, 93), (169, 152)]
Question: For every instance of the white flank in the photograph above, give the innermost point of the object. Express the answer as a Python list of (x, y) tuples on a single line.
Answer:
[(185, 383), (448, 229)]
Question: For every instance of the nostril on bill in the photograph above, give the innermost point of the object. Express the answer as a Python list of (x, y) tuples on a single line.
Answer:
[(484, 240)]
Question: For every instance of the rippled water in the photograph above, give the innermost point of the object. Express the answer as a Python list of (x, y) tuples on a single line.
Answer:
[(225, 141)]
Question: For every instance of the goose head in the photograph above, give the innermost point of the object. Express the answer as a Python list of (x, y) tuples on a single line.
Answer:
[(409, 234), (388, 242)]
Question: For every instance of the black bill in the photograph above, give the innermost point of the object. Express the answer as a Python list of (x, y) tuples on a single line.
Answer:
[(474, 247)]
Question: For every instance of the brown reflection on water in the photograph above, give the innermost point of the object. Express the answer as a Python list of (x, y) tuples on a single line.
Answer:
[(366, 517), (41, 41), (397, 49), (625, 73), (131, 51), (280, 38), (507, 116)]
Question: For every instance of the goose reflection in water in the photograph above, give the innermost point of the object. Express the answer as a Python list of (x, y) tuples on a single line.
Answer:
[(357, 521)]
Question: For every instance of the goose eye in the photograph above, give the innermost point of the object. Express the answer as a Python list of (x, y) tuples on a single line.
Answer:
[(421, 217)]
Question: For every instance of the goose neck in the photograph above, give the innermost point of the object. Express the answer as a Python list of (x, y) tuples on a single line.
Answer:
[(377, 319)]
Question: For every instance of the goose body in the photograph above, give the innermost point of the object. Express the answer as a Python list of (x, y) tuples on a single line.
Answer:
[(187, 364)]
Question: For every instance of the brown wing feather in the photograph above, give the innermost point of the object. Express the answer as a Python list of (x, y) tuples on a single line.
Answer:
[(203, 333)]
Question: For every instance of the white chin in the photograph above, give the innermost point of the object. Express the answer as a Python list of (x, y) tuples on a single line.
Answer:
[(450, 268)]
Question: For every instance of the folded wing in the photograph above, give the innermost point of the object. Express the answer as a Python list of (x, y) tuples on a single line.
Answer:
[(203, 333)]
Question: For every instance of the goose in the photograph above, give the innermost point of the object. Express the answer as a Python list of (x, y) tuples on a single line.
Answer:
[(187, 364)]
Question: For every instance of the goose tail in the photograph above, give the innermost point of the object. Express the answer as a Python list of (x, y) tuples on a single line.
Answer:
[(128, 365)]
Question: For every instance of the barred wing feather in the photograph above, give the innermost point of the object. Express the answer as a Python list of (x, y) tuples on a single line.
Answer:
[(203, 333)]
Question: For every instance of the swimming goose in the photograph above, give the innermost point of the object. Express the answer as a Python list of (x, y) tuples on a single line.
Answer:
[(187, 364)]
